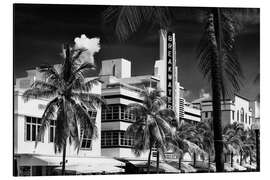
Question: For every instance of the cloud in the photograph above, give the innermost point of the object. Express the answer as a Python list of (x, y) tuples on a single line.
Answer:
[(187, 94), (204, 94), (91, 45)]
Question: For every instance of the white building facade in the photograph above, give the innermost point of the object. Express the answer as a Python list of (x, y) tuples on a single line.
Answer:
[(119, 89), (239, 110), (31, 160)]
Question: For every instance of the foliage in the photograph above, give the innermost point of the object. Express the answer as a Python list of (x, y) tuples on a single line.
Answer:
[(70, 99), (153, 122)]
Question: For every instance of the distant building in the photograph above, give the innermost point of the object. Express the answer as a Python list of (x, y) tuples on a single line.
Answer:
[(239, 109)]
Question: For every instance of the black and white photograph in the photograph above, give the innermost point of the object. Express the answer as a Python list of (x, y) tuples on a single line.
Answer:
[(135, 89)]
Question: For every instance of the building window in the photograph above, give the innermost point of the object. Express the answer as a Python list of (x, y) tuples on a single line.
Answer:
[(116, 113), (249, 120), (242, 115), (246, 118), (115, 138), (32, 125), (86, 142), (238, 115), (52, 130), (125, 140), (233, 115), (206, 114)]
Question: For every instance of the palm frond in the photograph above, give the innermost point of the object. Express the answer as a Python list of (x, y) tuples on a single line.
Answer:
[(47, 116), (86, 123), (128, 19), (43, 85), (39, 93), (91, 100)]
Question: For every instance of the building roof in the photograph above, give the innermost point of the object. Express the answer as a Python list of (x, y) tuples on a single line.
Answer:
[(201, 99)]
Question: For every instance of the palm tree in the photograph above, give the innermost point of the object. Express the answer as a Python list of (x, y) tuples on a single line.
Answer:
[(153, 124), (70, 100), (218, 62), (232, 142), (205, 131), (185, 140), (249, 144)]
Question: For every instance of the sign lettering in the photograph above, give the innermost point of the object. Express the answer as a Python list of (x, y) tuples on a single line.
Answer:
[(170, 69)]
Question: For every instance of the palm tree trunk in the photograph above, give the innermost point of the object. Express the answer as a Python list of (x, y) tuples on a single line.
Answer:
[(157, 161), (257, 131), (216, 92), (64, 158), (209, 161), (231, 159), (194, 159), (180, 161), (241, 158), (250, 157), (149, 160)]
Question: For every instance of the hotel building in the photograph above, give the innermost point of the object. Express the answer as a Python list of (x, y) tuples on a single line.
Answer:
[(119, 89), (41, 160)]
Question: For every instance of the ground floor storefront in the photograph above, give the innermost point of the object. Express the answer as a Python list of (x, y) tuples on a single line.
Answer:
[(42, 165)]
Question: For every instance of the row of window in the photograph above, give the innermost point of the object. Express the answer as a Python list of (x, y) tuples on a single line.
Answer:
[(115, 138), (33, 124), (243, 118), (116, 113)]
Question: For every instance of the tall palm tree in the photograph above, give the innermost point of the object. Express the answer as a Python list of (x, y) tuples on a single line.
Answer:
[(153, 123), (70, 100), (218, 62)]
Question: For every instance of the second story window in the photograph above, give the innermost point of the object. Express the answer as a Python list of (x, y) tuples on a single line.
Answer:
[(116, 113), (238, 115), (233, 115), (32, 125)]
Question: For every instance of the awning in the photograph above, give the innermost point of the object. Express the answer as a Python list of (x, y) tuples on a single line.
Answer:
[(85, 169), (35, 160), (185, 167), (42, 160), (162, 166)]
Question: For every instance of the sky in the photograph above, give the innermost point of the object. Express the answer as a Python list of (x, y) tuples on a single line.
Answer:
[(40, 31)]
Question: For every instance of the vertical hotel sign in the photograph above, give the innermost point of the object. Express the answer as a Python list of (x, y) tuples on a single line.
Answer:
[(170, 67)]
